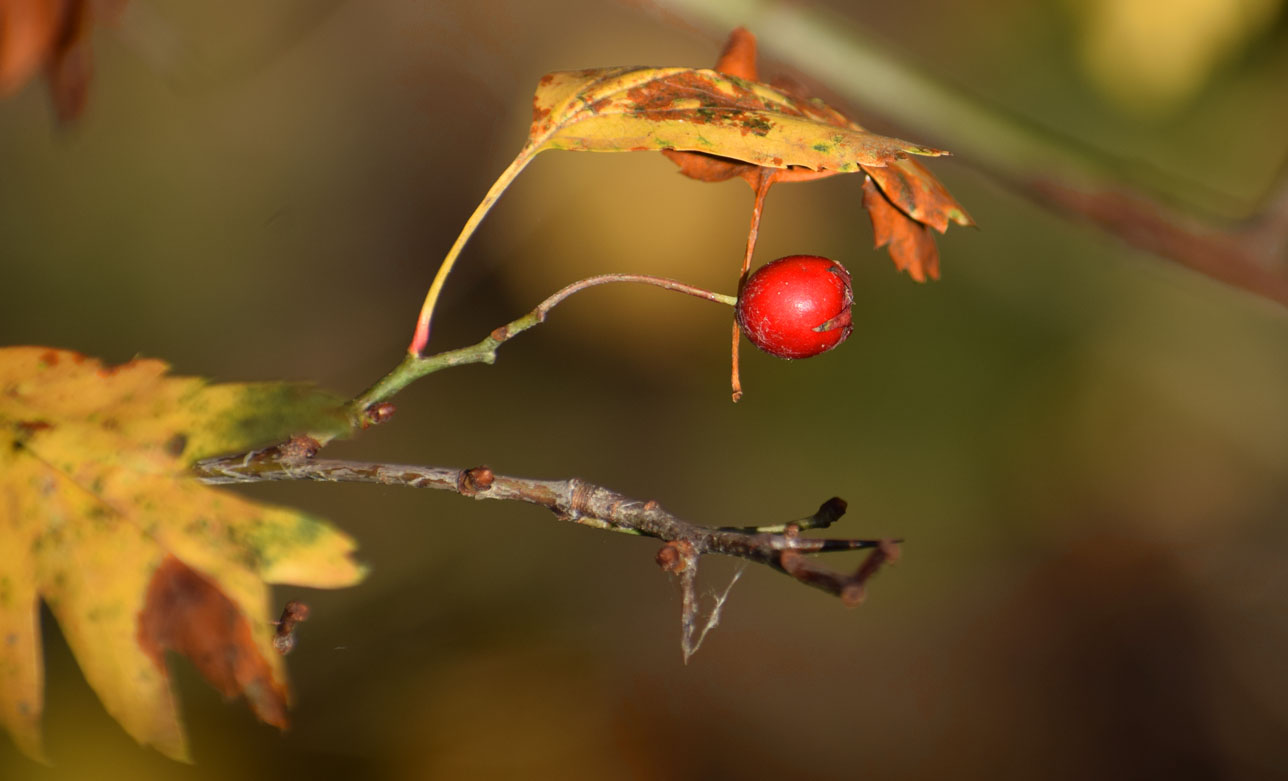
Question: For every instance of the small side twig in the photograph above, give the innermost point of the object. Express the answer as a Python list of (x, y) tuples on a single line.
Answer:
[(828, 513), (293, 614), (598, 507)]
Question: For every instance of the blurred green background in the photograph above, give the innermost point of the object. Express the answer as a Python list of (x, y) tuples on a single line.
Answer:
[(1086, 448)]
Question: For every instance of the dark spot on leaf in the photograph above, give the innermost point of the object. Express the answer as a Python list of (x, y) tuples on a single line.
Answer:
[(176, 444), (188, 613), (756, 126), (674, 97), (539, 112)]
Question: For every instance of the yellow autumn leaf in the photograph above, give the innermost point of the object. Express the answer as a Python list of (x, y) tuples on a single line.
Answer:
[(100, 519), (700, 110)]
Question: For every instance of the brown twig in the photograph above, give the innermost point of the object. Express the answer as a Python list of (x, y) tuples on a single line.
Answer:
[(293, 614), (591, 505), (1250, 257)]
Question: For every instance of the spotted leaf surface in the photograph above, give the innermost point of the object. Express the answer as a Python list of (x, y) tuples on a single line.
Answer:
[(627, 109)]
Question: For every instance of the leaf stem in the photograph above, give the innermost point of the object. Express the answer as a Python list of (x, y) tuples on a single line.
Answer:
[(421, 335)]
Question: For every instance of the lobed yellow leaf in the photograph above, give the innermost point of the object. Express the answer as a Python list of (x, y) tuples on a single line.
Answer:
[(695, 109), (95, 496)]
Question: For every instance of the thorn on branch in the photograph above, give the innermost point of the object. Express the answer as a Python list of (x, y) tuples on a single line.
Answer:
[(284, 638)]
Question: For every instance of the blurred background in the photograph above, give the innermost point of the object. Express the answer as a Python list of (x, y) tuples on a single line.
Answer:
[(1084, 447)]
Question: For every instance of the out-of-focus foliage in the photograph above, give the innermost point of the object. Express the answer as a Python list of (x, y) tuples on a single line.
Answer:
[(1151, 56), (1085, 449), (135, 557)]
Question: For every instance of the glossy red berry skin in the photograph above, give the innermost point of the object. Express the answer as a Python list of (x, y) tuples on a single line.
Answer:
[(797, 306)]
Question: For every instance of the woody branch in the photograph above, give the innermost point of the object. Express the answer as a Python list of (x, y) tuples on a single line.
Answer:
[(781, 547)]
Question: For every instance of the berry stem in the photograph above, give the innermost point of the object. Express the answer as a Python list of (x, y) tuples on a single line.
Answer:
[(645, 279), (414, 366), (764, 180)]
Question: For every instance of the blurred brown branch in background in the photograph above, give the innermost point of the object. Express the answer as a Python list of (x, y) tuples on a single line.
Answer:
[(780, 547), (1250, 257)]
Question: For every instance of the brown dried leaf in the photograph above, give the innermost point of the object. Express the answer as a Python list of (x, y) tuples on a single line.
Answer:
[(709, 168), (28, 29), (71, 63), (908, 185), (911, 246), (905, 201)]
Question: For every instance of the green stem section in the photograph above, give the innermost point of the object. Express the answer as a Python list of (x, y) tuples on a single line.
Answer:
[(421, 335), (415, 366)]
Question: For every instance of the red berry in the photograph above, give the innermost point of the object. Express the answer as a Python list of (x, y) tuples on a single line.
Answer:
[(797, 306)]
